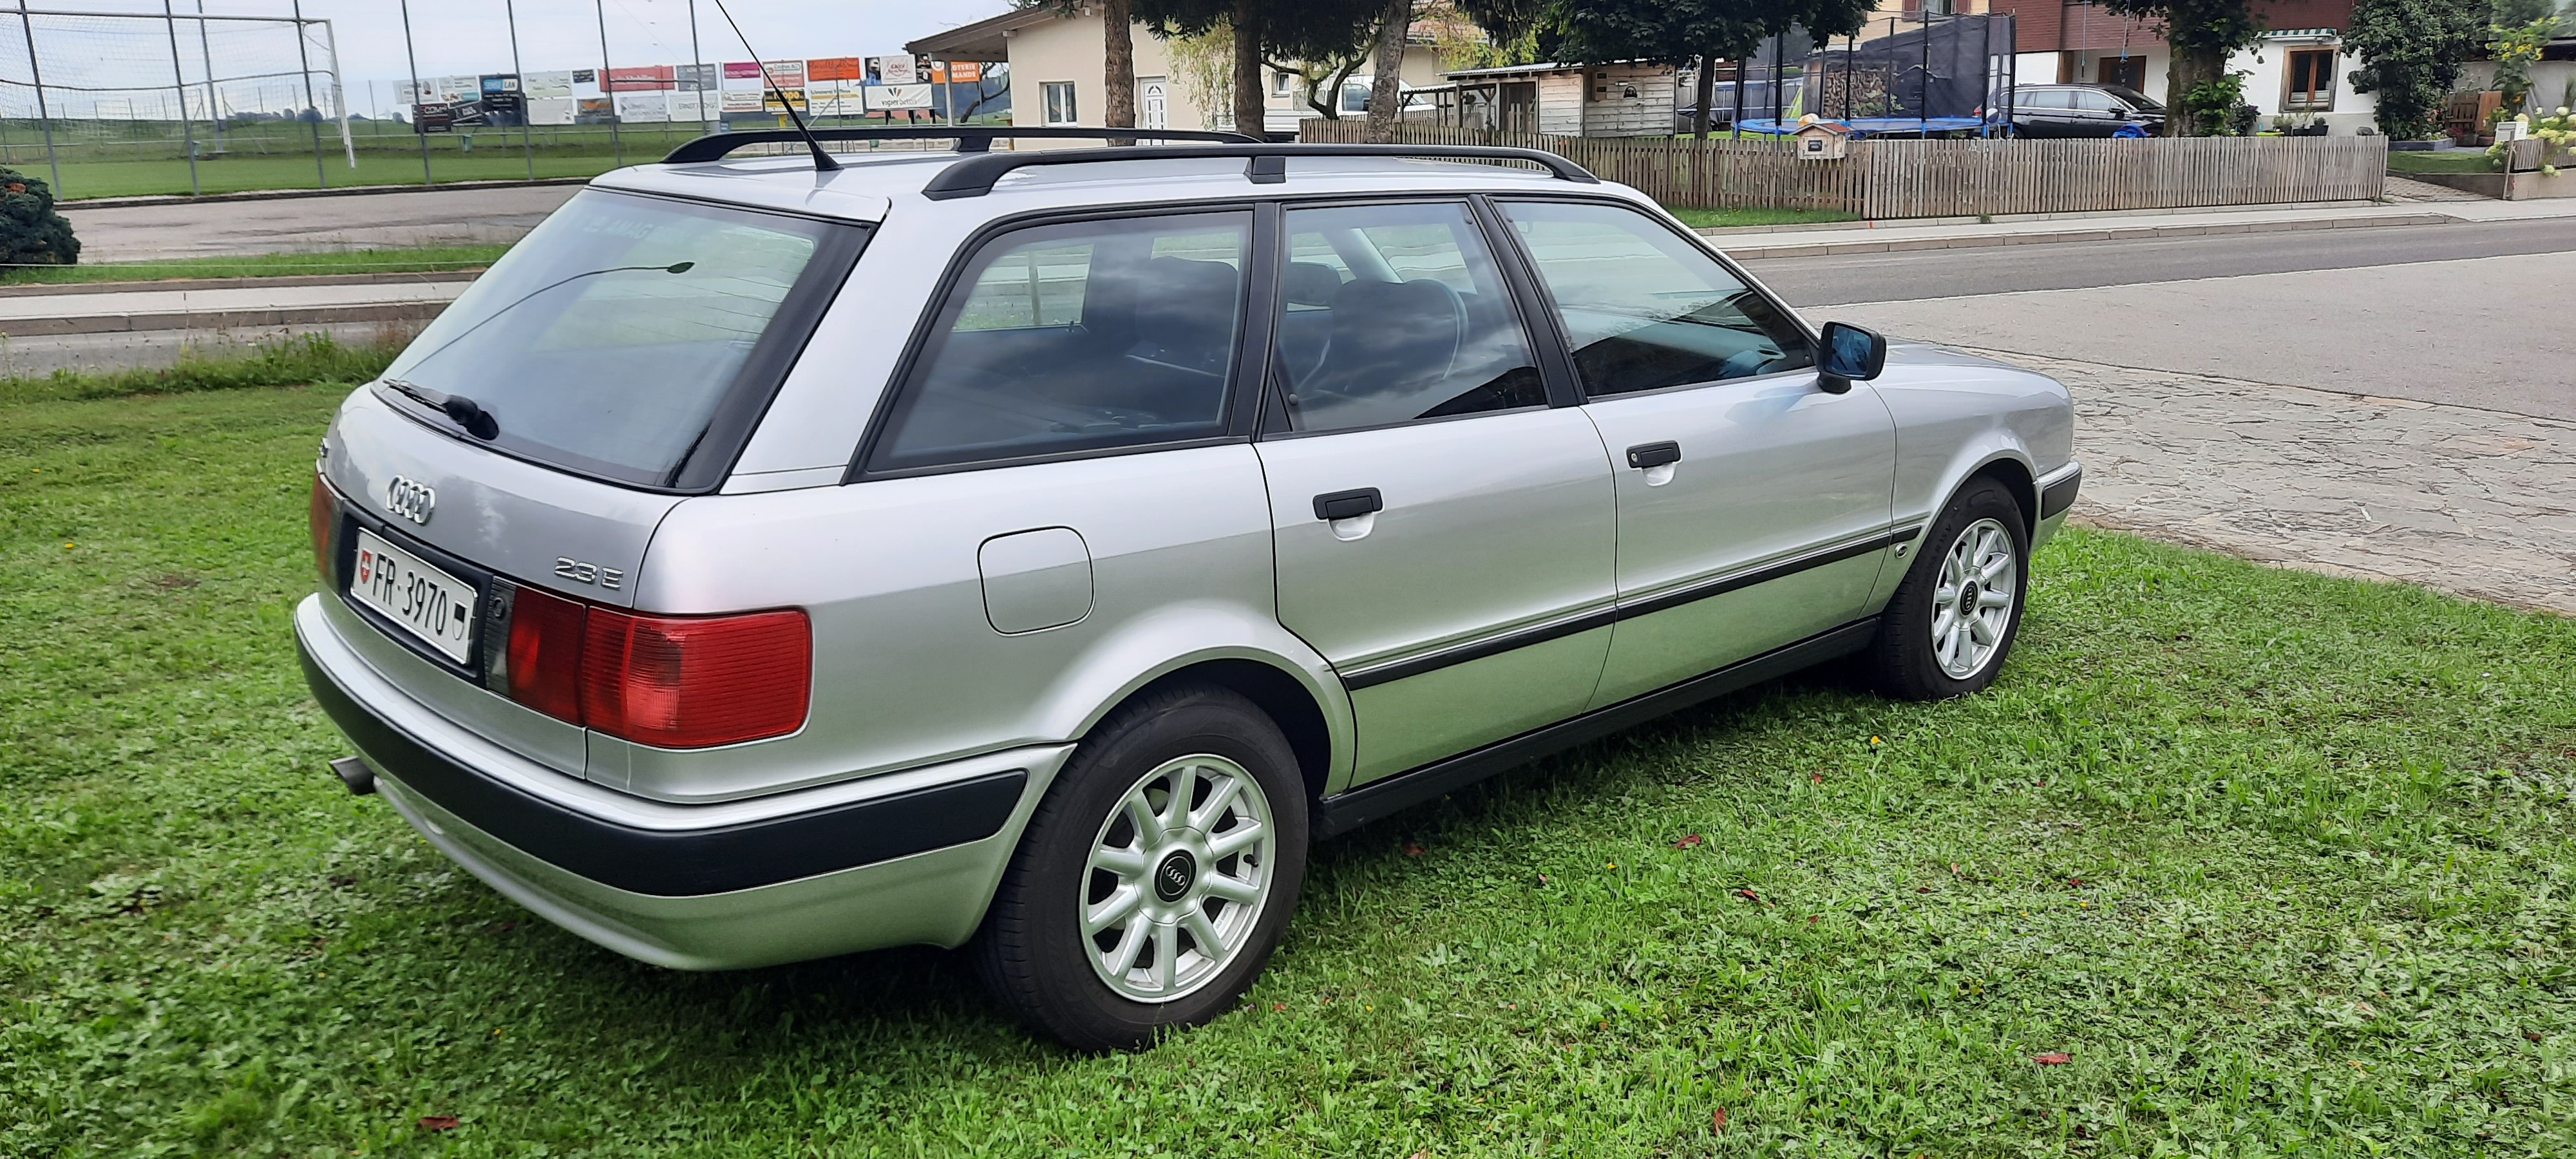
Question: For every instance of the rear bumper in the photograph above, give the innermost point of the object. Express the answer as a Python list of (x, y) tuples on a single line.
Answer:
[(895, 859)]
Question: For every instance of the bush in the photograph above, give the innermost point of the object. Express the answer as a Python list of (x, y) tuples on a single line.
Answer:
[(31, 233), (2410, 54)]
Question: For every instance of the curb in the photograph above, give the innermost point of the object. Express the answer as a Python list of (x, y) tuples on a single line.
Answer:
[(41, 290), (219, 319), (1789, 249), (292, 194)]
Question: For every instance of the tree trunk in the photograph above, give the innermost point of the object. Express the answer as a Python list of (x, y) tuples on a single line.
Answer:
[(1707, 96), (2188, 69), (1386, 88), (1118, 64), (1249, 101)]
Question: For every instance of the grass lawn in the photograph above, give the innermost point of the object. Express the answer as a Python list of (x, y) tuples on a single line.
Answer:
[(1711, 218), (2445, 161), (408, 259), (2281, 863)]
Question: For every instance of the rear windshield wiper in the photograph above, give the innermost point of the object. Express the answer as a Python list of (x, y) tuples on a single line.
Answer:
[(464, 412)]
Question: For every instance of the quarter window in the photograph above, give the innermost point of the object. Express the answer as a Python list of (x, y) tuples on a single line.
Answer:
[(1395, 313), (1059, 103), (1645, 309), (1075, 337)]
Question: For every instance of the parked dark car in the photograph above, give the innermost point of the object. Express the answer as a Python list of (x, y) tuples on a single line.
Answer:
[(2085, 110)]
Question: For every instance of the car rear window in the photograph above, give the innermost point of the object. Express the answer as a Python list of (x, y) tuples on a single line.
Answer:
[(631, 338)]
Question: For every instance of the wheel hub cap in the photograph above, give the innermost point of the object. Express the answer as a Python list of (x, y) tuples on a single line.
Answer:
[(1177, 879)]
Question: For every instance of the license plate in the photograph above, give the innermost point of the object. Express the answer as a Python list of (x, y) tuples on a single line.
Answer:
[(427, 602)]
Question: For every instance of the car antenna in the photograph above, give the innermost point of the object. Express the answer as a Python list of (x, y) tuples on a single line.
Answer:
[(823, 162)]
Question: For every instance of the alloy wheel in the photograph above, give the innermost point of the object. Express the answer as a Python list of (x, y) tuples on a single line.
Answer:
[(1177, 878), (1974, 603)]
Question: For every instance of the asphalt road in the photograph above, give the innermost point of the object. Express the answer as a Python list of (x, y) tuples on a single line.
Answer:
[(2473, 314), (358, 221)]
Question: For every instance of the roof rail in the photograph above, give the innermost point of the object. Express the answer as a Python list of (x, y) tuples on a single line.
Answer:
[(969, 138), (1267, 164)]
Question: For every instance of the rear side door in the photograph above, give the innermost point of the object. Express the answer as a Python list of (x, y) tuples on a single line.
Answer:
[(1443, 534), (1753, 504)]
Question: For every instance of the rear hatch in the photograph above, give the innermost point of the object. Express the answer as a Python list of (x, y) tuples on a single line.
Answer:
[(519, 454)]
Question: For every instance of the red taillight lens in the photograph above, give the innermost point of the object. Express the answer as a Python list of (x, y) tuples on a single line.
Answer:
[(545, 653), (694, 681), (320, 512)]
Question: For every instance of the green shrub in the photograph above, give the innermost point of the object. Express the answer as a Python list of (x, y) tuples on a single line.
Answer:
[(31, 233)]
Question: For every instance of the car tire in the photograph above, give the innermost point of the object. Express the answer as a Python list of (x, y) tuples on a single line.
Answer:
[(1926, 649), (1239, 861)]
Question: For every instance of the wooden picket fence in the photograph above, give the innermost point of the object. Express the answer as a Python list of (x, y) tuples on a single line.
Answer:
[(1943, 178)]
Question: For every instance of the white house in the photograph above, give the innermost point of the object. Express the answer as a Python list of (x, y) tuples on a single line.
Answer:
[(1056, 74)]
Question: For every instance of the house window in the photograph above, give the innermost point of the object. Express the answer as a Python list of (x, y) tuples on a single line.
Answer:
[(1283, 84), (2311, 76), (2126, 71), (1059, 103)]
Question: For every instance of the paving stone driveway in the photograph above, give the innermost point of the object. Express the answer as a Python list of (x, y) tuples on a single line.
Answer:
[(2477, 502)]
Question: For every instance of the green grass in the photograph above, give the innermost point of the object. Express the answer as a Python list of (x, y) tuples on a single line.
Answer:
[(2446, 161), (2282, 862), (407, 259), (296, 360), (1712, 218)]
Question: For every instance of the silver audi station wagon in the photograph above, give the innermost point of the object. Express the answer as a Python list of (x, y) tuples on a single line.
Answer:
[(777, 556)]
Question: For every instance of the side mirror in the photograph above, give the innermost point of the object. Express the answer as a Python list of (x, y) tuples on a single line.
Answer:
[(1852, 354)]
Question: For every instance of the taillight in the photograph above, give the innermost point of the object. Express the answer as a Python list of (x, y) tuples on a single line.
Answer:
[(320, 512), (690, 682), (545, 653), (668, 681)]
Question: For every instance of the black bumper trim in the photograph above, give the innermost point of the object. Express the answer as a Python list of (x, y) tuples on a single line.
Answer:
[(2060, 494), (690, 863)]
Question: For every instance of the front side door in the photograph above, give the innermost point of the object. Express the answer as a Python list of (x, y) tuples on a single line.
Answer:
[(1443, 536), (1753, 504)]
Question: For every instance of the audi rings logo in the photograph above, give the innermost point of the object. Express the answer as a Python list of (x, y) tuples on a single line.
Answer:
[(412, 501)]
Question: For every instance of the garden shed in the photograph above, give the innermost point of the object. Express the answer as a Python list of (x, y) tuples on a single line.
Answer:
[(1614, 99)]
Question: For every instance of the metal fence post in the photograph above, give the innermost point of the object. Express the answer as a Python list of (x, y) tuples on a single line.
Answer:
[(413, 59), (510, 14), (43, 116), (179, 79), (206, 49), (304, 61), (615, 140)]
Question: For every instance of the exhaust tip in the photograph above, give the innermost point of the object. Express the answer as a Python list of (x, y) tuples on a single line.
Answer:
[(353, 772)]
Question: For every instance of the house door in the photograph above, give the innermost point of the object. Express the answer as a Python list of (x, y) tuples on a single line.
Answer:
[(1153, 103), (1520, 107)]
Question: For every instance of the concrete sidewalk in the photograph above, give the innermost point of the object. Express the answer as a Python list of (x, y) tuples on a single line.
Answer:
[(1756, 243), (222, 308)]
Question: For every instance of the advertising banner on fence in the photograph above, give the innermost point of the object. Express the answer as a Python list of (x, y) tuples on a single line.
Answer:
[(548, 84), (889, 98), (640, 78), (833, 98), (643, 107), (550, 110), (964, 72), (696, 77), (742, 100), (690, 107), (893, 70), (835, 68), (769, 100)]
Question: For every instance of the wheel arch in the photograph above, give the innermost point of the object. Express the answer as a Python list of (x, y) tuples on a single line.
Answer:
[(1278, 694)]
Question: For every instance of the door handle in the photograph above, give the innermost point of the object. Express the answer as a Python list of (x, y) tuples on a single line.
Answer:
[(1348, 504), (1645, 456)]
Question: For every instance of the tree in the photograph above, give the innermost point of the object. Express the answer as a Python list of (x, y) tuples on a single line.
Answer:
[(2410, 52), (1386, 85), (1117, 54), (2202, 33), (1263, 31), (1668, 31)]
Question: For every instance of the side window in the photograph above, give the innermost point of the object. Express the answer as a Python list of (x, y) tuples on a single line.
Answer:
[(1075, 337), (2094, 101), (2040, 99), (1395, 313), (1645, 309)]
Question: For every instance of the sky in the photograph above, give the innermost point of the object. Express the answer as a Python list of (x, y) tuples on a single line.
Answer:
[(471, 36)]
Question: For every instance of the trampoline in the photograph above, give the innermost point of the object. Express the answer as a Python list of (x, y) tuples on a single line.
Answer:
[(1873, 126)]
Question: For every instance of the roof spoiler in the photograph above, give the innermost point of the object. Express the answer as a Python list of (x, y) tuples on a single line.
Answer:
[(969, 138), (1265, 164)]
